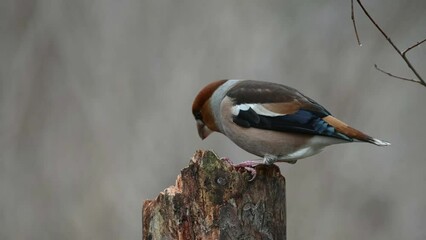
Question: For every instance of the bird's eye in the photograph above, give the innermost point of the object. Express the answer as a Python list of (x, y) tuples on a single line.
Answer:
[(198, 116)]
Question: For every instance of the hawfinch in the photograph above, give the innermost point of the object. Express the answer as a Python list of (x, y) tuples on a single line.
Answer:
[(270, 120)]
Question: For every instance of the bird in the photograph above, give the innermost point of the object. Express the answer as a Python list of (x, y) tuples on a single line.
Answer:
[(270, 120)]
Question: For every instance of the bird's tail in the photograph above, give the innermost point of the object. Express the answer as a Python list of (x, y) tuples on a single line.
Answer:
[(378, 142), (352, 132)]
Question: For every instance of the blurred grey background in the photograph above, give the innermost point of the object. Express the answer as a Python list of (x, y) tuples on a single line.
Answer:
[(95, 100)]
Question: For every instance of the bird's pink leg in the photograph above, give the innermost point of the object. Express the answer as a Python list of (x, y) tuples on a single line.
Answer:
[(247, 165)]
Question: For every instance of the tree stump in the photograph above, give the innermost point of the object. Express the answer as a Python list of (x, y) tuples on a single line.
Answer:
[(214, 200)]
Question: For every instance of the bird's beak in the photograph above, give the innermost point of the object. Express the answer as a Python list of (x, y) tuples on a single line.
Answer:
[(203, 130)]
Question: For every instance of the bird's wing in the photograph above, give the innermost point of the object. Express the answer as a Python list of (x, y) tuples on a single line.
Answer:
[(277, 107)]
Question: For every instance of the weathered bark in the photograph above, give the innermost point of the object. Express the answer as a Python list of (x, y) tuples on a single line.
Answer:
[(213, 200)]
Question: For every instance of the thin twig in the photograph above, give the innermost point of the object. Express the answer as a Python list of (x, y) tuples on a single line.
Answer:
[(390, 74), (402, 54), (415, 45), (354, 23)]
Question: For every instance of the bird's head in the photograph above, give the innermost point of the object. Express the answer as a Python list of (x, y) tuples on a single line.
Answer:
[(202, 109)]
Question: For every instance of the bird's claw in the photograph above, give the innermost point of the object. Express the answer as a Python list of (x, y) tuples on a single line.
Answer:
[(252, 171), (249, 166)]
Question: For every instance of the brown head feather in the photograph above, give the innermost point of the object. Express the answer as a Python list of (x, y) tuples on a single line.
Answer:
[(200, 109), (205, 94)]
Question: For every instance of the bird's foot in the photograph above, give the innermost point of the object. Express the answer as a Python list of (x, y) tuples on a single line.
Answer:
[(269, 159), (249, 166)]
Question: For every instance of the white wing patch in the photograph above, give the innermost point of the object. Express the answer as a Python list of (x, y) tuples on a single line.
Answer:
[(258, 108)]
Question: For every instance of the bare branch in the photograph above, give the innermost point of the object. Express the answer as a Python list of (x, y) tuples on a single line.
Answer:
[(401, 53), (377, 26), (394, 76), (415, 45), (354, 23)]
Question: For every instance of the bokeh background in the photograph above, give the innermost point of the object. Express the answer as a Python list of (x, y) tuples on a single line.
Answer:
[(95, 100)]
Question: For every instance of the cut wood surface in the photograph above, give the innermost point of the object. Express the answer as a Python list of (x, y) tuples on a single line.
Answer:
[(214, 200)]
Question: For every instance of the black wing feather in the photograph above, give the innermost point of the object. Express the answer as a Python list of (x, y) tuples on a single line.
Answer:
[(302, 121)]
